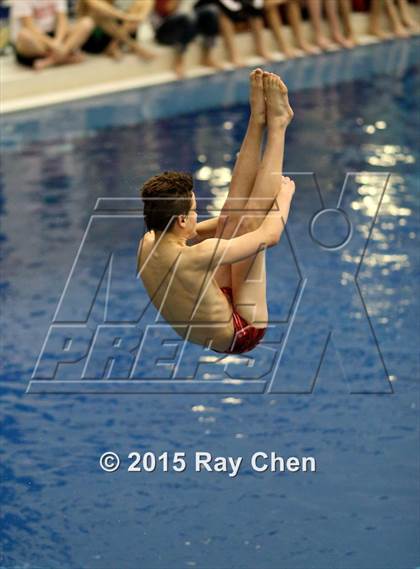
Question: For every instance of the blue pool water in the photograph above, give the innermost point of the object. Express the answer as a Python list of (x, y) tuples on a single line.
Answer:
[(351, 403)]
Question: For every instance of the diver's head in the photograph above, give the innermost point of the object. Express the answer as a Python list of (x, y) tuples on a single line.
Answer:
[(170, 204)]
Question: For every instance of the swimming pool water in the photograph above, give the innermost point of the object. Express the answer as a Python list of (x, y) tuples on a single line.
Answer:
[(357, 414)]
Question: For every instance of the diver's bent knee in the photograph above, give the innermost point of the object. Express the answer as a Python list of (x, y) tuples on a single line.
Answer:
[(230, 225)]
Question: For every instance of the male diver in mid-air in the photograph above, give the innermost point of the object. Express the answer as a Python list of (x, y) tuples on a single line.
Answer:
[(213, 292)]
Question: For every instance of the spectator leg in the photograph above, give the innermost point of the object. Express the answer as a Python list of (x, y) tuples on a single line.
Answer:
[(78, 34), (375, 20), (345, 10), (119, 32), (177, 31), (315, 13), (295, 21), (395, 20), (27, 44), (407, 18), (227, 30), (207, 22), (335, 26), (257, 29), (275, 22)]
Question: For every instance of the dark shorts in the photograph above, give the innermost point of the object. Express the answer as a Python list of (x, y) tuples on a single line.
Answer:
[(179, 30), (246, 337), (97, 42), (28, 60), (246, 9)]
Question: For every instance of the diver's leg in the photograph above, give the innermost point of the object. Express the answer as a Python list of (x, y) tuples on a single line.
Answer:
[(249, 156), (268, 179), (244, 172), (248, 276)]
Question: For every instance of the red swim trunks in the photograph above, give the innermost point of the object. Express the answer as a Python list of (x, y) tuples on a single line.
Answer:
[(246, 336)]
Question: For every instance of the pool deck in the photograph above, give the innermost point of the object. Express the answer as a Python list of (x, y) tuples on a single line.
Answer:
[(25, 89)]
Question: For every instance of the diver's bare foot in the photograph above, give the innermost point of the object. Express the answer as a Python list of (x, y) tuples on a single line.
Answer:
[(279, 111), (256, 97)]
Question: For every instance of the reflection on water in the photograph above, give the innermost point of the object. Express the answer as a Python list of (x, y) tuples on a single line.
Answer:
[(359, 510)]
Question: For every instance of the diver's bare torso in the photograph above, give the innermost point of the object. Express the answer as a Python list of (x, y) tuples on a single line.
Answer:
[(187, 296)]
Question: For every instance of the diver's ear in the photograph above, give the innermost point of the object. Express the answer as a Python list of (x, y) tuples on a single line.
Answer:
[(182, 220)]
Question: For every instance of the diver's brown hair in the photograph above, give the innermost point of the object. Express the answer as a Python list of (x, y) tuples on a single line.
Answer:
[(166, 196)]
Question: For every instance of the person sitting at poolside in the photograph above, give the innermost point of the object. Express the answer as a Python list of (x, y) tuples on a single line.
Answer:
[(178, 22), (339, 21), (333, 9), (273, 16), (234, 12), (141, 10), (213, 292), (112, 27), (294, 15), (42, 35), (400, 19)]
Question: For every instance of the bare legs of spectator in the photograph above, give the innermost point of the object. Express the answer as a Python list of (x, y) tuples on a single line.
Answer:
[(315, 12), (68, 52), (114, 48), (401, 22), (295, 20), (227, 31), (407, 18), (179, 64), (331, 9), (397, 26), (257, 28), (345, 8), (208, 59), (399, 16), (375, 27), (122, 34), (274, 20)]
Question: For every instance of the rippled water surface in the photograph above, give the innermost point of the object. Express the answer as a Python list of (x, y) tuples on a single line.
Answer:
[(352, 402)]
